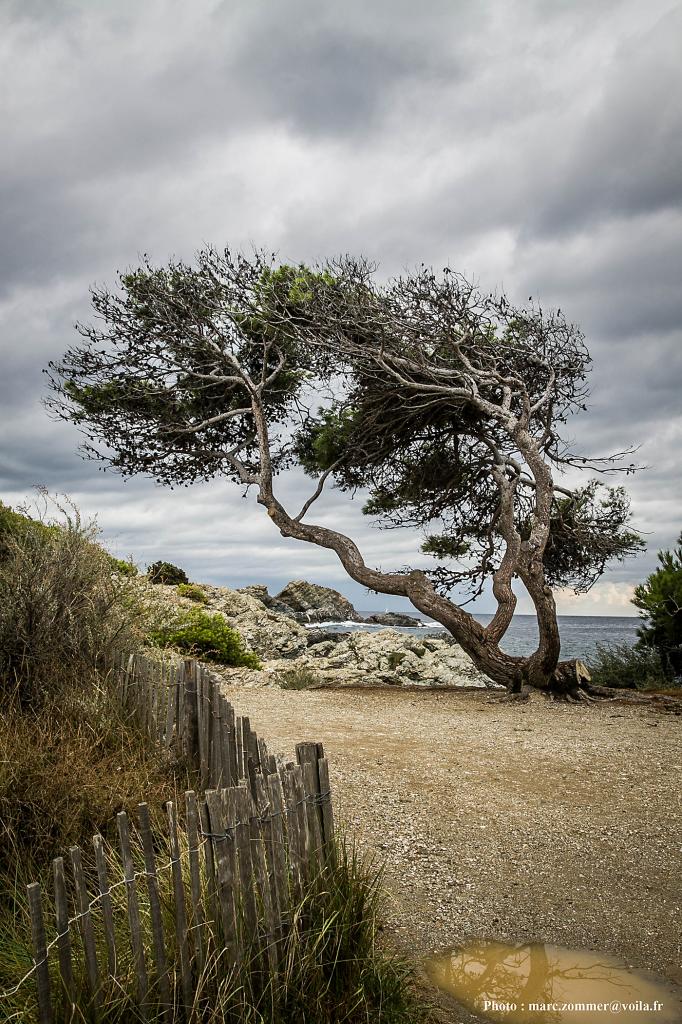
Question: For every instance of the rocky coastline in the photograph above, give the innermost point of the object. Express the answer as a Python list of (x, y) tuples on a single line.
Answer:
[(310, 603), (299, 654)]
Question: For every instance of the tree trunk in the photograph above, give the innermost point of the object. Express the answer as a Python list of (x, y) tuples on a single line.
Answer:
[(540, 671)]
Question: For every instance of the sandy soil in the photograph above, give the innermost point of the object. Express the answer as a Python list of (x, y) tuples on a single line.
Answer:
[(519, 822)]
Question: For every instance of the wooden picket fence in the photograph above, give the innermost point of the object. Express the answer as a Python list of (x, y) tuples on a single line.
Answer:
[(181, 706), (223, 888)]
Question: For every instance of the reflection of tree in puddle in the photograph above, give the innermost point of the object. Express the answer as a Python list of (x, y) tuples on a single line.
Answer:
[(502, 974), (516, 982)]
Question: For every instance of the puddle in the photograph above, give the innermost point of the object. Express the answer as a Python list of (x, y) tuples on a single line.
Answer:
[(539, 984)]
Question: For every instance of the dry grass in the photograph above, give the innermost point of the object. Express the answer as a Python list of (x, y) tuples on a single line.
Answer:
[(66, 771), (61, 607), (333, 965)]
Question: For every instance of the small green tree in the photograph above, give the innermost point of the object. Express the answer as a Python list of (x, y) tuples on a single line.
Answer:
[(659, 600), (123, 566)]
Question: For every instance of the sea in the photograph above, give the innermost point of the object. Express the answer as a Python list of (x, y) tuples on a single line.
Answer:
[(581, 635)]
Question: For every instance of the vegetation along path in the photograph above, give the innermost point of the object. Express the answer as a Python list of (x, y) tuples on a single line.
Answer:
[(501, 820)]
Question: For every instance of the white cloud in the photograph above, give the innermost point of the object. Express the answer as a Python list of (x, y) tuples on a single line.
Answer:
[(605, 598)]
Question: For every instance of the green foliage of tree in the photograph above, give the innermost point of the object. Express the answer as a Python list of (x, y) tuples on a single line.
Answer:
[(659, 600), (587, 530), (166, 572), (205, 636)]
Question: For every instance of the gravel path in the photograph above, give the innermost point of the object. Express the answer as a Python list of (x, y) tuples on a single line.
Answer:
[(519, 822)]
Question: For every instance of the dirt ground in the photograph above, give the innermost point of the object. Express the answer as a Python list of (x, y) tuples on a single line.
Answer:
[(518, 822)]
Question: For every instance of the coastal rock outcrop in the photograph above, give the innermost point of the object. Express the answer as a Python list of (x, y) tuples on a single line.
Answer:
[(393, 619), (395, 659), (264, 630), (260, 592), (310, 602)]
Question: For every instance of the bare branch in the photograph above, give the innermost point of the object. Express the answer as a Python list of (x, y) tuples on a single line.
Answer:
[(318, 490)]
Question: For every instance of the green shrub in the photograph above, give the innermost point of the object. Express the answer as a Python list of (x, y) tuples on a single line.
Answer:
[(123, 567), (166, 572), (205, 636), (637, 668), (193, 591), (16, 526), (297, 678)]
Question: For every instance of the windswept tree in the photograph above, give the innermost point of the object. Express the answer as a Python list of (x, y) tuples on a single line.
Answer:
[(444, 406)]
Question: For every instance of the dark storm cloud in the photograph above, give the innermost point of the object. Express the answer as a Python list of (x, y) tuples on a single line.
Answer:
[(535, 146), (626, 158), (100, 102)]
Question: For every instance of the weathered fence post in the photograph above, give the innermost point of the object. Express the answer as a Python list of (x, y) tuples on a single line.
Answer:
[(227, 753), (302, 808), (217, 777), (258, 824), (325, 798), (224, 862), (133, 907), (159, 940), (180, 908), (86, 929), (171, 706), (281, 893), (240, 810), (105, 903), (202, 722), (191, 712), (40, 954), (197, 920), (61, 909), (209, 862)]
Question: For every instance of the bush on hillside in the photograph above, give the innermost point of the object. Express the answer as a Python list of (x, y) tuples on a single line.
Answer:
[(205, 636), (16, 526), (193, 591), (123, 566), (635, 668), (166, 572), (298, 677), (61, 609)]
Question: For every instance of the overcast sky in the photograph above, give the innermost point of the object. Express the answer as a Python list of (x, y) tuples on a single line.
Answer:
[(535, 145)]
